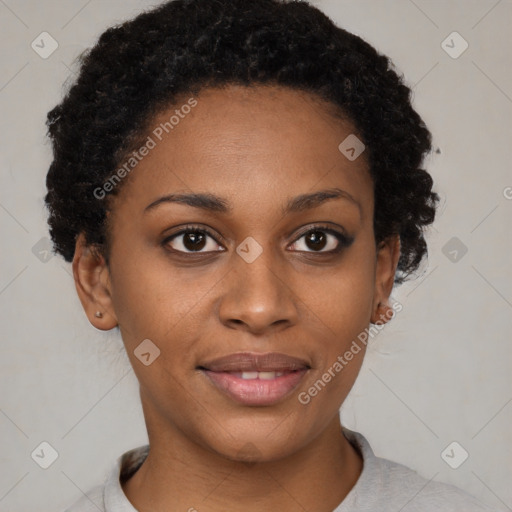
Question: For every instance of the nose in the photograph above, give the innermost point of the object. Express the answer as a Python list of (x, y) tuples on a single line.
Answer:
[(259, 296)]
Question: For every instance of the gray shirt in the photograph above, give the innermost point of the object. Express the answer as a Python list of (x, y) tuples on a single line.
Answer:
[(383, 486)]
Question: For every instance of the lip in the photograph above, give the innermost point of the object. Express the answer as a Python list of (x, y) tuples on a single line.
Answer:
[(225, 373), (252, 361)]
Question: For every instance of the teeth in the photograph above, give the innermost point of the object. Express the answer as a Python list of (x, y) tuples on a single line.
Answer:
[(249, 375), (261, 375)]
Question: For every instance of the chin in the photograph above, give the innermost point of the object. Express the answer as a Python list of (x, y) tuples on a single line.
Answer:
[(251, 443)]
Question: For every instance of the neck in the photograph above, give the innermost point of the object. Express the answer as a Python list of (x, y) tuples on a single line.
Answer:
[(180, 475)]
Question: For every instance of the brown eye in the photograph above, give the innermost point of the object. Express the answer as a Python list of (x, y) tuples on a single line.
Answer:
[(316, 240), (322, 240), (192, 241)]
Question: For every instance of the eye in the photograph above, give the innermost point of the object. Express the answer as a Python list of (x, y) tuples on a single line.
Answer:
[(319, 239), (322, 240), (192, 240)]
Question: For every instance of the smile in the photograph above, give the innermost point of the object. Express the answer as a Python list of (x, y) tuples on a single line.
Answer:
[(255, 379)]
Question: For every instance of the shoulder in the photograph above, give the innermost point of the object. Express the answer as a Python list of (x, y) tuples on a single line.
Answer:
[(109, 496), (410, 492), (389, 486)]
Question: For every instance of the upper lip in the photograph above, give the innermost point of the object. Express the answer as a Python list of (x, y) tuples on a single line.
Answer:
[(250, 361)]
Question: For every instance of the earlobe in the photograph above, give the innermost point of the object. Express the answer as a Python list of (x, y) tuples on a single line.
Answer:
[(388, 254), (92, 281)]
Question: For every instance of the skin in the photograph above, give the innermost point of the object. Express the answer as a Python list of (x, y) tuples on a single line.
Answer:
[(256, 148)]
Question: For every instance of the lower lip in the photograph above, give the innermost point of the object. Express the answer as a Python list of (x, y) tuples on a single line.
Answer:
[(256, 391)]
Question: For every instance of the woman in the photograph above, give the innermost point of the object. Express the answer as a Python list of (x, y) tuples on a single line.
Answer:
[(238, 184)]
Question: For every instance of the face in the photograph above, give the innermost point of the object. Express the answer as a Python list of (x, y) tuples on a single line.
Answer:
[(252, 290)]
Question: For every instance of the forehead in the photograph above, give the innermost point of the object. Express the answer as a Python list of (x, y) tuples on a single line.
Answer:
[(256, 144)]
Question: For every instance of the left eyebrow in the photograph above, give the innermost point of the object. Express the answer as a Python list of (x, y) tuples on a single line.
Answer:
[(216, 204), (315, 199)]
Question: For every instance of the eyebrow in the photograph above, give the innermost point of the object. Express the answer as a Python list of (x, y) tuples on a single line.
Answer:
[(216, 204)]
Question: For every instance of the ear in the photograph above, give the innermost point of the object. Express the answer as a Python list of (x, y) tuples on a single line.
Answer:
[(92, 281), (388, 254)]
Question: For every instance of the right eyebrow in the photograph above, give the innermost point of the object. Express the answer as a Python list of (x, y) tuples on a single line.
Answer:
[(208, 202)]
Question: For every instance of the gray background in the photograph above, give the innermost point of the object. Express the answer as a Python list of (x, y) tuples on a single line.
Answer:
[(438, 373)]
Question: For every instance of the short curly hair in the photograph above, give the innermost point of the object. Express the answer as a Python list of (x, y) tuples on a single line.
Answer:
[(183, 46)]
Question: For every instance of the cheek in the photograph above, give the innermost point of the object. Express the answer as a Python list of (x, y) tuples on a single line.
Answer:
[(343, 299), (343, 303), (150, 297), (343, 306)]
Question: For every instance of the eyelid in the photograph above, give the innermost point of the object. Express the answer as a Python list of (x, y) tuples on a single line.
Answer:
[(321, 227)]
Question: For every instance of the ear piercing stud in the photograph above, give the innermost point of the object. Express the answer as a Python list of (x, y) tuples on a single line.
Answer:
[(98, 314)]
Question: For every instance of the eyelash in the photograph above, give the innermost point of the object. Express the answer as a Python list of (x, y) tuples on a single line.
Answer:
[(344, 241)]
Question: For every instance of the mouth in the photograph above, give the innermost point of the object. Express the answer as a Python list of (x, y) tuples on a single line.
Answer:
[(255, 379)]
